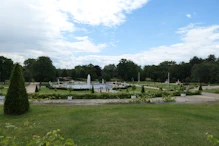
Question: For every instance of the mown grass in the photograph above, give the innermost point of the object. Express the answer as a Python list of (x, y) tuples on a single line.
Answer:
[(212, 91), (3, 91), (139, 124)]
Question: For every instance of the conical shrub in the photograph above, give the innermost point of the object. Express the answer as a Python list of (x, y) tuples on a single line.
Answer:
[(92, 89), (36, 89), (142, 89), (16, 100), (200, 88)]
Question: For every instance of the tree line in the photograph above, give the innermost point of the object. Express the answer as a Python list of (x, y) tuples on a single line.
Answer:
[(42, 70)]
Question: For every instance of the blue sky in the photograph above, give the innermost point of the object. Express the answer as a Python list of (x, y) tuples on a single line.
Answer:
[(77, 32)]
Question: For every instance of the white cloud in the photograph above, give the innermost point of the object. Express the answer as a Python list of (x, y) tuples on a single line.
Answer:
[(196, 41), (35, 28), (29, 28), (189, 15), (96, 12)]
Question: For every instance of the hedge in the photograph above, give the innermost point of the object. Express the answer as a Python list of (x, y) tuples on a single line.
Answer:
[(108, 95)]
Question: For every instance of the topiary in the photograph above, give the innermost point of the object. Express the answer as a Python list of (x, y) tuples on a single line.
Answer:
[(200, 88), (92, 89), (142, 89), (36, 89), (16, 100)]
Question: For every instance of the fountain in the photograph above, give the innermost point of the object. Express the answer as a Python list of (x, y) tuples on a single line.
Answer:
[(58, 82), (84, 86), (88, 80)]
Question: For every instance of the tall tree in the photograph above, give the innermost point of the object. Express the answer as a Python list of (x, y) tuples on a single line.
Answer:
[(195, 60), (28, 69), (16, 101), (109, 71), (211, 58), (64, 73), (6, 66), (44, 70), (201, 72), (128, 70), (73, 73), (98, 70)]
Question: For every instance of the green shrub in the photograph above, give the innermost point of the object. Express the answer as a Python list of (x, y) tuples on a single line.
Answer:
[(213, 140), (193, 93), (200, 88), (10, 137), (1, 87), (142, 89), (36, 89), (176, 93), (16, 100), (143, 99), (169, 98), (92, 89), (85, 96), (133, 88), (125, 95), (70, 89)]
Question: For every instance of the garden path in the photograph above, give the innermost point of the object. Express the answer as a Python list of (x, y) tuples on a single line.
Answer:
[(32, 86)]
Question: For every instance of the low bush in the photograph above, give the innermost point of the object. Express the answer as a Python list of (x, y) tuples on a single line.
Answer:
[(169, 99), (143, 99), (10, 137), (193, 93), (176, 93), (80, 96), (200, 88), (212, 139), (126, 95)]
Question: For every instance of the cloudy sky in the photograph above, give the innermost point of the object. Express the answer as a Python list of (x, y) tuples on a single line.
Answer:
[(77, 32)]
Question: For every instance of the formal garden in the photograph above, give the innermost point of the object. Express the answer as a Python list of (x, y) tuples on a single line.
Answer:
[(150, 117)]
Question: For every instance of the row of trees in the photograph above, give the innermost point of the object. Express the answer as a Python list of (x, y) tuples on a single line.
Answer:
[(196, 70)]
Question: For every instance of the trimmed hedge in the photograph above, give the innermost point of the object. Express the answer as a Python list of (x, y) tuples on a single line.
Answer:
[(108, 95), (80, 96)]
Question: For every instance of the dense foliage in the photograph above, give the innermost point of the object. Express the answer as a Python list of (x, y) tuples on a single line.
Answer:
[(6, 66), (196, 70), (16, 100), (110, 96)]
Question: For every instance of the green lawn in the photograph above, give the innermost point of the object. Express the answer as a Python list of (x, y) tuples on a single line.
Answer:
[(212, 91), (3, 91), (140, 124)]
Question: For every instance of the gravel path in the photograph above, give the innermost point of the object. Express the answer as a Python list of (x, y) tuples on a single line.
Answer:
[(31, 88)]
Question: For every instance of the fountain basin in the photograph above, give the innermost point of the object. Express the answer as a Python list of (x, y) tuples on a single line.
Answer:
[(86, 86)]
